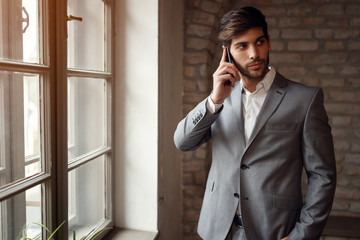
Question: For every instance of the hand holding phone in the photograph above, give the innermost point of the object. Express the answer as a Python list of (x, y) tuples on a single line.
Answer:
[(223, 82)]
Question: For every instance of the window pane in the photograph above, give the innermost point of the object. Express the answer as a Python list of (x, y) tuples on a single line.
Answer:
[(86, 197), (19, 35), (19, 126), (86, 37), (4, 152), (86, 115), (31, 116), (21, 212)]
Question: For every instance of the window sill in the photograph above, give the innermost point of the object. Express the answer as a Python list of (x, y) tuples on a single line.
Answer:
[(342, 227), (126, 234)]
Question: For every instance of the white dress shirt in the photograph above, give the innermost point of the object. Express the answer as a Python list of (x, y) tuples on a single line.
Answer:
[(251, 101)]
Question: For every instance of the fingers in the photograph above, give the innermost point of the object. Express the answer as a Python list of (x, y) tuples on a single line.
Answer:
[(226, 74), (227, 68), (225, 80), (223, 57)]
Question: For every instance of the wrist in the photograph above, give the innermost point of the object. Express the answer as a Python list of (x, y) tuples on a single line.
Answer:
[(212, 107), (215, 100)]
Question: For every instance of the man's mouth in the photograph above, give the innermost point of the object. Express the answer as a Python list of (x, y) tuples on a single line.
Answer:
[(256, 65)]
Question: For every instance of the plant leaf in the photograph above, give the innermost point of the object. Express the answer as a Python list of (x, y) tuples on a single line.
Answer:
[(57, 229), (24, 231), (43, 226), (99, 232)]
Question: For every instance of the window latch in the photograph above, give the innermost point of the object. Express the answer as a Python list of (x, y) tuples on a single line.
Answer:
[(73, 18), (25, 20)]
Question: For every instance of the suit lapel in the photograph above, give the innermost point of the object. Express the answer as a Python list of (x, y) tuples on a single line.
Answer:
[(236, 101), (273, 98)]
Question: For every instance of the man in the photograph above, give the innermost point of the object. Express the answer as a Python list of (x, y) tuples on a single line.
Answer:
[(265, 129)]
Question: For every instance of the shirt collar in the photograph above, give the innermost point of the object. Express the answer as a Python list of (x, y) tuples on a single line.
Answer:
[(268, 79), (266, 82)]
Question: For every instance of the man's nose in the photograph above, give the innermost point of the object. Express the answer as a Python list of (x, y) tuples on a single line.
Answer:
[(253, 52)]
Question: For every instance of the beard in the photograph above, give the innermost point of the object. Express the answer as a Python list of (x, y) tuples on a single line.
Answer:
[(257, 74)]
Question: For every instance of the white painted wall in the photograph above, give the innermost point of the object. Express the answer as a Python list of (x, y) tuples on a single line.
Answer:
[(136, 114)]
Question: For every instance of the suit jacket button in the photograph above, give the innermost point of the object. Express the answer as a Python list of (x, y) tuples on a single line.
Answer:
[(244, 167), (244, 198), (236, 195)]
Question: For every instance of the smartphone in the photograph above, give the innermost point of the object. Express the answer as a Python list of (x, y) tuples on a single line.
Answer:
[(230, 60), (228, 56)]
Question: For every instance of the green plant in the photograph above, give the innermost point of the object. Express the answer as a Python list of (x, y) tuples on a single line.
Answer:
[(24, 232), (25, 237), (94, 236)]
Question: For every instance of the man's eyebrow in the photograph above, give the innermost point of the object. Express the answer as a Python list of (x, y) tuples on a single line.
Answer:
[(242, 43), (261, 37)]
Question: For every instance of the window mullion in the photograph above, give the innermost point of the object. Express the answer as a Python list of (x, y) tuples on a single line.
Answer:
[(61, 116), (88, 73), (77, 162), (23, 185), (23, 67)]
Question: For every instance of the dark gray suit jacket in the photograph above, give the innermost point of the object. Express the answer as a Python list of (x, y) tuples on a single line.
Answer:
[(291, 134)]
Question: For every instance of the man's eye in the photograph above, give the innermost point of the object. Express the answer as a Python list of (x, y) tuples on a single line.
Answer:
[(260, 42), (242, 46)]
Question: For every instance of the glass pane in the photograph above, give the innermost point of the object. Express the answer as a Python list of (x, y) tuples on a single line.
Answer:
[(86, 37), (19, 213), (31, 116), (86, 197), (19, 35), (86, 115), (3, 133), (19, 126)]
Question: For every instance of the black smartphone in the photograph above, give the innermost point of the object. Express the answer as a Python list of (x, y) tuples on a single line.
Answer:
[(228, 56), (230, 60)]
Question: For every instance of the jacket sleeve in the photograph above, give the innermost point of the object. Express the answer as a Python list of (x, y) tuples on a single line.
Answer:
[(319, 163), (195, 128)]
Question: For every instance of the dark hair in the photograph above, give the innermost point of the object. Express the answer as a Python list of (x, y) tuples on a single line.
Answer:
[(238, 21)]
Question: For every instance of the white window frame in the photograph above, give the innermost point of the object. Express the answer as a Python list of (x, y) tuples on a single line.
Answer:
[(107, 149), (53, 73)]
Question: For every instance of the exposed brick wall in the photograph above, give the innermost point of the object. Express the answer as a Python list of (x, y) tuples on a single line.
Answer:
[(316, 42), (201, 20)]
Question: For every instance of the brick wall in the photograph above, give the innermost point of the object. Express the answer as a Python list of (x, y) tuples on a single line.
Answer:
[(316, 42)]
